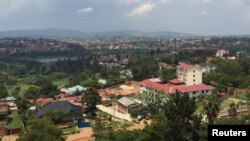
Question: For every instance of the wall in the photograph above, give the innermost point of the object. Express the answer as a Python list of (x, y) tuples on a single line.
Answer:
[(112, 111)]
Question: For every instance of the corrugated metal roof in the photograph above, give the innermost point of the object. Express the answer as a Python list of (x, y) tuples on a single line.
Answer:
[(126, 101), (63, 106)]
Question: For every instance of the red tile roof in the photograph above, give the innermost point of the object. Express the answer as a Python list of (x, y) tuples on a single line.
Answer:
[(175, 81), (170, 88), (73, 98), (185, 66), (41, 101)]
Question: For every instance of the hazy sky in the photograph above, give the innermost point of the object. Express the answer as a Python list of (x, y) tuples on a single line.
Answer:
[(189, 16)]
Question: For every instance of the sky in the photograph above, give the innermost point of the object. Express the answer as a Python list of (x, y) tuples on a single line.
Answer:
[(204, 17)]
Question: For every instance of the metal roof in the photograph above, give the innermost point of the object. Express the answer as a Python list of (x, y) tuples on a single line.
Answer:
[(126, 101)]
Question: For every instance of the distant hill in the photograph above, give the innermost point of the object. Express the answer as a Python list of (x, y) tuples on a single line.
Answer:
[(61, 33)]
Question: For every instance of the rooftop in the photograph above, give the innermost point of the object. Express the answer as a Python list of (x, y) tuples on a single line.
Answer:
[(63, 106), (184, 66), (170, 88), (76, 88), (126, 101)]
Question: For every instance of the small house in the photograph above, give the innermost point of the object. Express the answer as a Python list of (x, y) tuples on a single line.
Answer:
[(126, 105)]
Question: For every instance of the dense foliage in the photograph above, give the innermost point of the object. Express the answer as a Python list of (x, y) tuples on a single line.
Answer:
[(41, 130)]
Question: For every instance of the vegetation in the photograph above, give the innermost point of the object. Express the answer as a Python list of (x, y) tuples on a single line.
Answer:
[(211, 106), (41, 130), (91, 99), (14, 121)]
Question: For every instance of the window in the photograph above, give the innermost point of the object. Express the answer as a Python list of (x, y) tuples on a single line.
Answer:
[(194, 71), (194, 80), (193, 75), (203, 91), (194, 92)]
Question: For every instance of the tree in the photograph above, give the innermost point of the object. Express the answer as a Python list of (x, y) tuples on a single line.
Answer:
[(3, 91), (232, 111), (153, 104), (167, 74), (211, 106), (182, 124), (41, 130), (91, 98), (58, 117), (33, 92)]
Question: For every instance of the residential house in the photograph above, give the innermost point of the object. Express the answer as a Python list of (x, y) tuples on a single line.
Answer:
[(126, 105), (76, 89)]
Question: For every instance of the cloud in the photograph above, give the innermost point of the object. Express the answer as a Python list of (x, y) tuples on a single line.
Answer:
[(202, 13), (131, 1), (165, 1), (85, 10), (142, 10), (206, 0), (9, 6)]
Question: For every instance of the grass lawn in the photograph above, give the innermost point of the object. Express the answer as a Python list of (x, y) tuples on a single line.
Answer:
[(72, 130), (14, 121), (225, 103), (199, 109)]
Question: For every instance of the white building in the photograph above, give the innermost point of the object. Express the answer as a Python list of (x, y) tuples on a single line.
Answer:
[(190, 75), (221, 53)]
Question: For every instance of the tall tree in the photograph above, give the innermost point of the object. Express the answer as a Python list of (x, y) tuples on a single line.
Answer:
[(182, 124), (211, 106), (41, 130), (91, 98)]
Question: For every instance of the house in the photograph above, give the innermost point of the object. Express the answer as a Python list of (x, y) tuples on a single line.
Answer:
[(75, 89), (126, 105), (221, 53), (4, 112), (75, 112), (189, 74), (206, 67), (42, 101)]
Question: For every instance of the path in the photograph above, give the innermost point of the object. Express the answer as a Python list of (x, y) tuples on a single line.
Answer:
[(84, 135), (10, 138)]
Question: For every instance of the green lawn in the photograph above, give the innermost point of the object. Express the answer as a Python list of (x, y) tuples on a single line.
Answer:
[(225, 103), (199, 109), (72, 130), (14, 121), (57, 78)]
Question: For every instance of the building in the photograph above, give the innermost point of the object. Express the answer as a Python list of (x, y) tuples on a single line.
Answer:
[(42, 101), (190, 75), (189, 81), (76, 89), (4, 112), (126, 105), (194, 91), (221, 53), (206, 67), (75, 112)]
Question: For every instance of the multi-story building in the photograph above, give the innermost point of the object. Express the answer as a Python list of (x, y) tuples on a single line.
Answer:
[(190, 75)]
